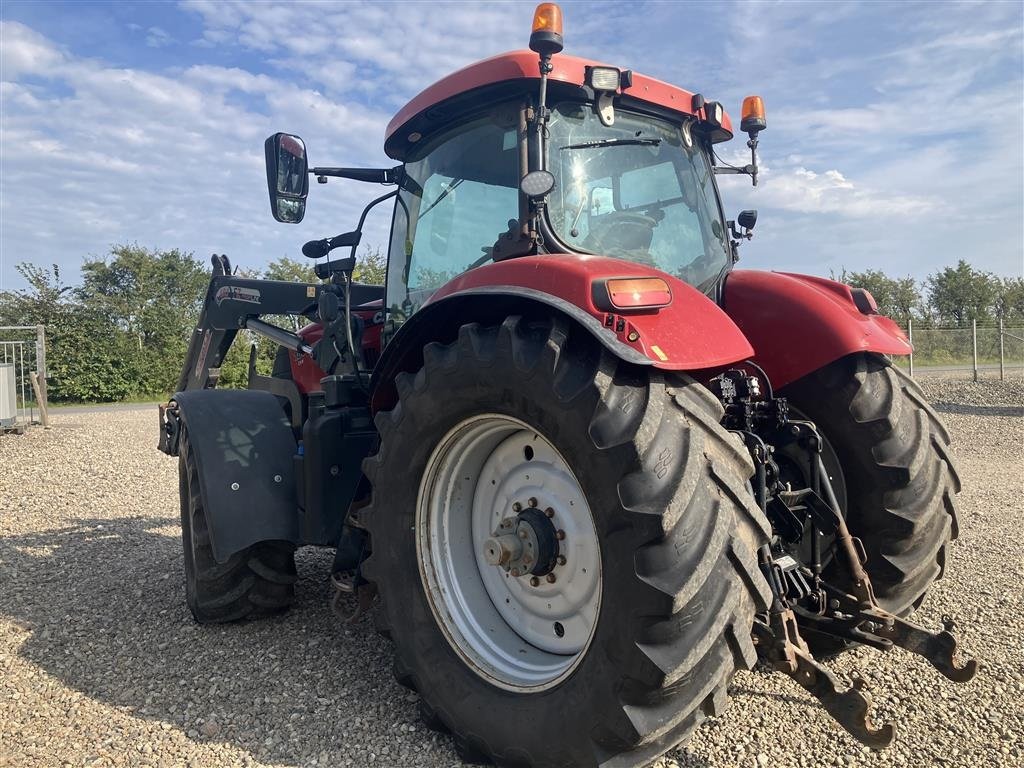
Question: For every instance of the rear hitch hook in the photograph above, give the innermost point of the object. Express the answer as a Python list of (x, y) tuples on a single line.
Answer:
[(938, 648), (851, 708)]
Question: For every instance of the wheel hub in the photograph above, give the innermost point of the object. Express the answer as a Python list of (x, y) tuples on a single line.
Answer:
[(524, 544)]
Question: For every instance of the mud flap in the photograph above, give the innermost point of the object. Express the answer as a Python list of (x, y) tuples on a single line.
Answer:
[(244, 447)]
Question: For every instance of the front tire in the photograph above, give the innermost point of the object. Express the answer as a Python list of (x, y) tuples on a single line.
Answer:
[(258, 581), (675, 533)]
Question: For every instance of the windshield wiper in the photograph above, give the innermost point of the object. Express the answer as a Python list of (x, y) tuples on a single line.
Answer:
[(640, 140), (447, 191)]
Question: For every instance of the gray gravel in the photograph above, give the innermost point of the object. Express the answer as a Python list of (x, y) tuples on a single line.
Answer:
[(101, 664)]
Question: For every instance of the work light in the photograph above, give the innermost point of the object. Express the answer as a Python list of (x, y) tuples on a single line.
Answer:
[(714, 113), (603, 78)]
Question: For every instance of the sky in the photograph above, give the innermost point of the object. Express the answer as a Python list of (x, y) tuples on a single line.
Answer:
[(894, 136)]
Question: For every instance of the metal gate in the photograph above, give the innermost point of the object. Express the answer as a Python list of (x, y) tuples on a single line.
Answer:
[(22, 376)]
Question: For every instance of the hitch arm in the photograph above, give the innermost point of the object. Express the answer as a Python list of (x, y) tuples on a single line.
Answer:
[(787, 652), (850, 708), (938, 648)]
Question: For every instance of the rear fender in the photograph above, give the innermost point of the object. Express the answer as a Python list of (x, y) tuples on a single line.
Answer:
[(799, 323), (692, 333), (243, 448)]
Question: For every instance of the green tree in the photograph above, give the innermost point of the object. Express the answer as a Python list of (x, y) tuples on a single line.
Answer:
[(371, 267), (898, 298), (153, 296), (89, 358), (961, 294), (1009, 304), (290, 270)]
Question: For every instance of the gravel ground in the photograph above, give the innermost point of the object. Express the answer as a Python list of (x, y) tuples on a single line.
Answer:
[(102, 665)]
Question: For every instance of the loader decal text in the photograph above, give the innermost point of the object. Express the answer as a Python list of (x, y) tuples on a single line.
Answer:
[(235, 293)]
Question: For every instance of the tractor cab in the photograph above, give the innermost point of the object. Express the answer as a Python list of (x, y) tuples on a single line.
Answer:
[(640, 189), (627, 162)]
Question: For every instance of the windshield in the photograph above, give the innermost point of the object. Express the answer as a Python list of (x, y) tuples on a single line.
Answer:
[(634, 191), (461, 190)]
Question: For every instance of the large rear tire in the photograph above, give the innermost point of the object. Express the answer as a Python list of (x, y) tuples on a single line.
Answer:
[(900, 480), (630, 459), (258, 581)]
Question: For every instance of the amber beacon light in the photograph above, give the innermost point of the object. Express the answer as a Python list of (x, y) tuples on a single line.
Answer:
[(546, 36), (753, 115)]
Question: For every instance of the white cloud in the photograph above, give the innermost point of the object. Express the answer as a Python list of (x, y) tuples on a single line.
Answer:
[(805, 191), (158, 38), (25, 52)]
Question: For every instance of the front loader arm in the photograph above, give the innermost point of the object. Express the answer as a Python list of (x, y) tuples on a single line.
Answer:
[(233, 303)]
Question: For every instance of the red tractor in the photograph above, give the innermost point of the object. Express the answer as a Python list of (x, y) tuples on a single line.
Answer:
[(589, 468)]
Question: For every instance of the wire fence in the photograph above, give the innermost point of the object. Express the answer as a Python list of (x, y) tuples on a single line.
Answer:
[(977, 350), (22, 376)]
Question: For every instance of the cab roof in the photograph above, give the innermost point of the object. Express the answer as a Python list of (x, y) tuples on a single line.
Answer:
[(507, 68)]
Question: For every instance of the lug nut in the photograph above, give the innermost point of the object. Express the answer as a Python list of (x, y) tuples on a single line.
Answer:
[(560, 560), (517, 507), (516, 572), (560, 534), (534, 581), (549, 512), (550, 578), (533, 502), (523, 535)]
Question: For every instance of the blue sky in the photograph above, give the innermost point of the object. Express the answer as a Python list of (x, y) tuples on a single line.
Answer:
[(894, 134)]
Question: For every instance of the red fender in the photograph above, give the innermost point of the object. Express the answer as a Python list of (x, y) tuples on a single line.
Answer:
[(799, 323), (691, 333)]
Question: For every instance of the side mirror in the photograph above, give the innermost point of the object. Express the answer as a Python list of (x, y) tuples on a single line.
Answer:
[(747, 219), (287, 177)]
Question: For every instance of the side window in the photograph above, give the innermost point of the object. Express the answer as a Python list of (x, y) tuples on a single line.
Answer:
[(458, 219), (460, 192)]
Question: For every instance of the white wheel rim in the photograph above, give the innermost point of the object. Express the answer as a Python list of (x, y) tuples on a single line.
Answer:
[(525, 633)]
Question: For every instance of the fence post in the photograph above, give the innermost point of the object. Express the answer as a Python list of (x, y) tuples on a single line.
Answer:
[(44, 417), (1002, 370), (41, 365), (974, 341), (910, 336)]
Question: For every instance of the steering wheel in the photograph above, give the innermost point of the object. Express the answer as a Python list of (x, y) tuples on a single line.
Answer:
[(622, 232)]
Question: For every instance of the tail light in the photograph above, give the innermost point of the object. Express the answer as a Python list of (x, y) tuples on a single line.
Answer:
[(631, 294)]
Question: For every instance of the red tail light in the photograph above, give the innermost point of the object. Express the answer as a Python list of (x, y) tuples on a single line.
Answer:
[(631, 293)]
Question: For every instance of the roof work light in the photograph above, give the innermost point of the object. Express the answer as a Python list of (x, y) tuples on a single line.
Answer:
[(546, 37), (603, 78)]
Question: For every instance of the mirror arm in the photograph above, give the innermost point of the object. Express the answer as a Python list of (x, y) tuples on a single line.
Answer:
[(752, 143), (371, 175), (748, 170)]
